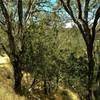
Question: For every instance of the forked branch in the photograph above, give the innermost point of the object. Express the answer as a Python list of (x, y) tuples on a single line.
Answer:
[(97, 16), (9, 27)]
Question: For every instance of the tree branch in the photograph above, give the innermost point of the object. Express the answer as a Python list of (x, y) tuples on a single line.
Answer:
[(4, 11), (68, 9), (9, 27), (86, 9), (68, 3), (82, 25), (80, 9), (28, 10), (97, 16), (65, 6), (20, 15), (83, 32)]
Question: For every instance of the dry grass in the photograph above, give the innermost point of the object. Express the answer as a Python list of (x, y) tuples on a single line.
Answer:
[(7, 84), (7, 80), (7, 93), (66, 94)]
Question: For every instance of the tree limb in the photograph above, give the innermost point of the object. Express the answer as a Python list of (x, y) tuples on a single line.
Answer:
[(80, 9), (65, 6), (68, 3), (68, 9), (78, 23), (20, 15), (97, 16), (86, 9), (4, 11), (28, 10), (9, 27)]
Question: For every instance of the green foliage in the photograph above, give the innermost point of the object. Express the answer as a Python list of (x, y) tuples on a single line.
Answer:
[(52, 53)]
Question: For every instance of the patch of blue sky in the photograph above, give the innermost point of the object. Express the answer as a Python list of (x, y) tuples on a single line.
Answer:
[(50, 6), (53, 1)]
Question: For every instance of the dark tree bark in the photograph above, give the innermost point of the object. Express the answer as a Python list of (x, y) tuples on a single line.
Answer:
[(17, 75), (91, 65), (45, 87)]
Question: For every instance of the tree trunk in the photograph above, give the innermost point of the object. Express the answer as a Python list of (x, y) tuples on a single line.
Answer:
[(97, 91), (45, 87), (91, 65), (17, 76)]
